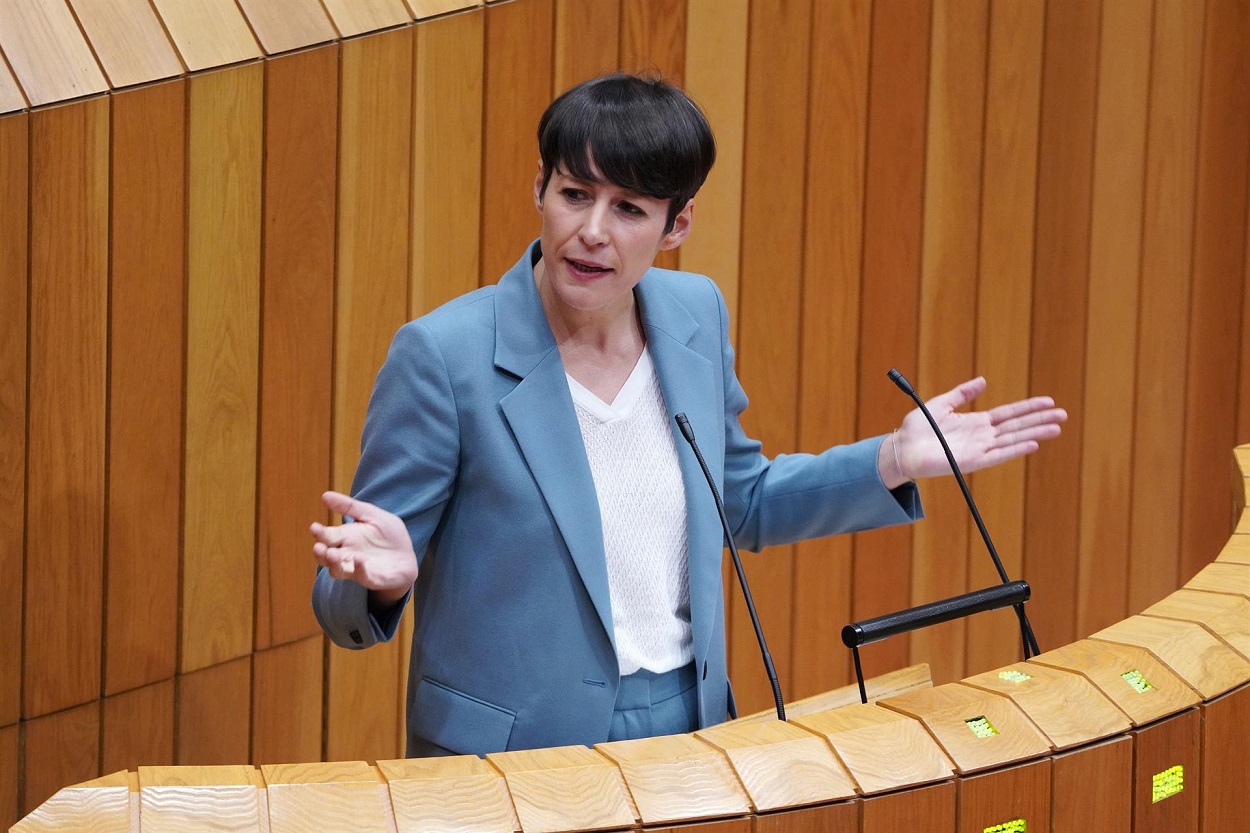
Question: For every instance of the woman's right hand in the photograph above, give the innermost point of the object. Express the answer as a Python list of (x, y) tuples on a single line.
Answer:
[(375, 551)]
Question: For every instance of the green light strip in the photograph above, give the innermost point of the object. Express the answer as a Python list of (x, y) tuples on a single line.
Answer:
[(1013, 826), (981, 727), (1139, 683), (1167, 784)]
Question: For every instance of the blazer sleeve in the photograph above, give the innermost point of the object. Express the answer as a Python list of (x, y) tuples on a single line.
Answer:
[(408, 465), (794, 497)]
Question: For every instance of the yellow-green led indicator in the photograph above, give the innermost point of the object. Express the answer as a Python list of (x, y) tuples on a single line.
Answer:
[(1014, 676), (1013, 826), (981, 727), (1139, 683), (1167, 784)]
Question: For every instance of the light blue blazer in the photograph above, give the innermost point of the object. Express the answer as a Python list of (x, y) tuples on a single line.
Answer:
[(472, 439)]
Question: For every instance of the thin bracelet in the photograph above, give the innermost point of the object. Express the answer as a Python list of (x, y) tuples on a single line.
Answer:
[(897, 464)]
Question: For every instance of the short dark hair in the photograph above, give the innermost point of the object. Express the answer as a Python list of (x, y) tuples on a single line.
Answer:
[(641, 132)]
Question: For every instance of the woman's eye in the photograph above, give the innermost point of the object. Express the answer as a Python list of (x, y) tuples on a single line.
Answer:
[(573, 194), (632, 210)]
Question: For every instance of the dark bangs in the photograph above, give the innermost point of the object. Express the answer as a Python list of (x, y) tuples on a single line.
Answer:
[(641, 133)]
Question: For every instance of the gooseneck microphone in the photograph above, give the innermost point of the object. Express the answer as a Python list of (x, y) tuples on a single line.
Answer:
[(688, 433), (1026, 630)]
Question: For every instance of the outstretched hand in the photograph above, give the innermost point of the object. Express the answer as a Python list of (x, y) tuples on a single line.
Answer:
[(978, 439), (375, 551)]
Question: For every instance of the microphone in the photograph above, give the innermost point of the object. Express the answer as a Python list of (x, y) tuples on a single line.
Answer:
[(688, 433), (1026, 630)]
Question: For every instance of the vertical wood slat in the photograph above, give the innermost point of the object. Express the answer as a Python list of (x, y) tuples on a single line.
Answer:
[(371, 303), (1078, 777), (832, 259), (10, 769), (518, 89), (59, 749), (891, 282), (285, 25), (576, 23), (208, 33), (1057, 360), (1223, 155), (1164, 299), (128, 41), (1005, 294), (297, 323), (137, 728), (948, 283), (286, 702), (447, 159), (146, 310), (770, 308), (1111, 331), (223, 322), (47, 52), (65, 456), (14, 191), (214, 715)]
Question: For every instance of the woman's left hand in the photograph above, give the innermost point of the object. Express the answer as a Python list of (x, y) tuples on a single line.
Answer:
[(978, 439)]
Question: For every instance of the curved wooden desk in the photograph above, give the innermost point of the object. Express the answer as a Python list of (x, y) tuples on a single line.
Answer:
[(1140, 727)]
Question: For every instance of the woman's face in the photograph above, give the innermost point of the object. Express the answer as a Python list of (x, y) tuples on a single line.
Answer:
[(599, 239)]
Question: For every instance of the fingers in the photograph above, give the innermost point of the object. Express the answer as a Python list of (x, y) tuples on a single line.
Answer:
[(959, 395)]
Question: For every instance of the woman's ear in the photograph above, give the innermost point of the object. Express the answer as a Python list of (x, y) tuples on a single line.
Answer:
[(682, 224), (538, 188)]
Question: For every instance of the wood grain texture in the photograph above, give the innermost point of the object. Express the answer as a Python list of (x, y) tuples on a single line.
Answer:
[(9, 769), (827, 818), (14, 194), (518, 89), (225, 119), (59, 749), (365, 688), (828, 378), (214, 714), (128, 41), (1111, 327), (66, 400), (1225, 802), (430, 8), (334, 805), (1164, 299), (1220, 217), (1093, 788), (1228, 617), (1169, 743), (356, 17), (677, 778), (1004, 298), (11, 98), (90, 809), (565, 788), (576, 23), (47, 52), (285, 25), (1060, 306), (1206, 663), (769, 311), (890, 289), (1222, 577), (930, 810), (447, 159), (286, 702), (138, 728), (146, 384), (886, 685), (297, 322), (177, 799), (456, 793), (948, 279), (1019, 792), (208, 33)]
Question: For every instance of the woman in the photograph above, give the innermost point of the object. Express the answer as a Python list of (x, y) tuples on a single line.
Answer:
[(521, 479)]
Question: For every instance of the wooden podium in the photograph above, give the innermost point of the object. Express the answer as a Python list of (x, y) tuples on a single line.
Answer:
[(1141, 727)]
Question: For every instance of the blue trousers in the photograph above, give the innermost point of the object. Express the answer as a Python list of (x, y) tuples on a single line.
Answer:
[(650, 704)]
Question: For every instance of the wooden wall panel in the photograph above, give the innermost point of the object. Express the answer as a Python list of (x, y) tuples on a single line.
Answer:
[(47, 52), (138, 728), (65, 456), (1223, 152), (1057, 359), (208, 33), (14, 190), (223, 330), (214, 717), (1078, 777), (297, 322), (284, 25), (59, 749), (832, 258), (286, 702), (518, 89), (948, 287), (128, 41), (10, 769), (146, 312), (371, 304), (770, 310), (1164, 300), (1111, 328), (447, 159), (1005, 297), (577, 23), (1005, 795), (890, 294)]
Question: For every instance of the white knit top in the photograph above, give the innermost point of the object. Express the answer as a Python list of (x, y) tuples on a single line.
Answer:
[(642, 503)]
